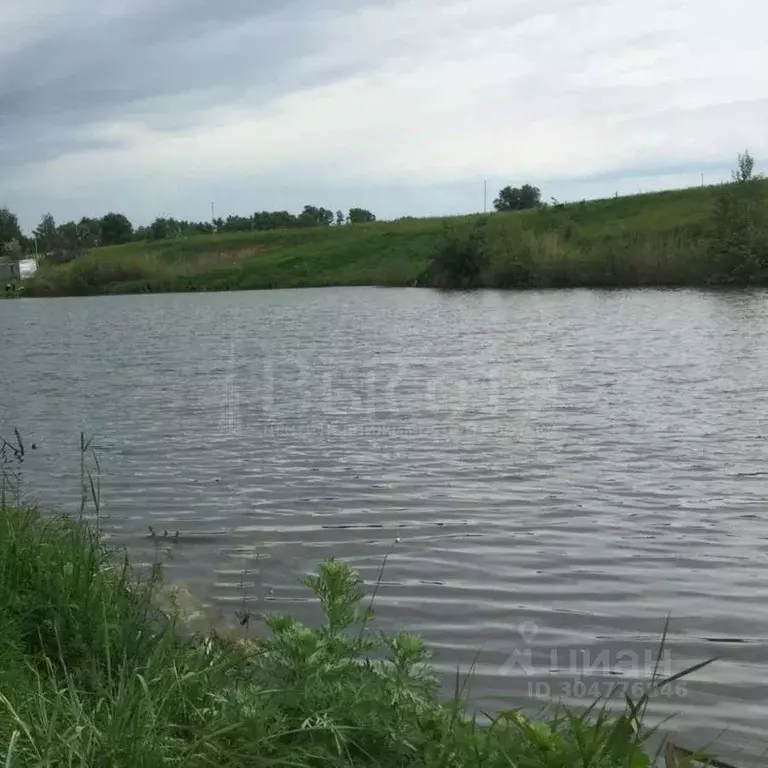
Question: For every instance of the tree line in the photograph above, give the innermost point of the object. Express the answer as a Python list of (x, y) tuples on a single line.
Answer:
[(62, 242), (65, 241)]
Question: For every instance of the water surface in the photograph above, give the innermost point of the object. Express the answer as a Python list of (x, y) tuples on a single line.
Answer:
[(551, 473)]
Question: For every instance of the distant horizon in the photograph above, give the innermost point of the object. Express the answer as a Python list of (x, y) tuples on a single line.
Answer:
[(492, 194), (403, 107)]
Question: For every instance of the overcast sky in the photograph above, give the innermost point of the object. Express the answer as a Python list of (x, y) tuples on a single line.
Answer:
[(158, 107)]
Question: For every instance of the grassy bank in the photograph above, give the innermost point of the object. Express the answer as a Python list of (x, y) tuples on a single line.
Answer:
[(92, 673), (653, 239)]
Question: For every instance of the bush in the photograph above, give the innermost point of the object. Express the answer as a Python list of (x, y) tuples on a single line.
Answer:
[(745, 169), (518, 198), (461, 257), (739, 243)]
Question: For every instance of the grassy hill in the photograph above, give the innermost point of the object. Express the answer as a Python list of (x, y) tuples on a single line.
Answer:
[(651, 239)]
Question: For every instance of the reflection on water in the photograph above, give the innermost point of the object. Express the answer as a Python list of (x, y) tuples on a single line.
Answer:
[(551, 473)]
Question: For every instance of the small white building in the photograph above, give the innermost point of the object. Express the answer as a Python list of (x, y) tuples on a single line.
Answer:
[(27, 268)]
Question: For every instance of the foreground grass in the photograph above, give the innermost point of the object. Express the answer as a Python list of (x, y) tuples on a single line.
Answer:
[(92, 673), (652, 239)]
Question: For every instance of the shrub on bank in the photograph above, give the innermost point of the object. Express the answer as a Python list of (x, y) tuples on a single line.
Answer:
[(460, 257), (738, 251)]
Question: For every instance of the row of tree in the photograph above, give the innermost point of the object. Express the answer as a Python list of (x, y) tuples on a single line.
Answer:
[(115, 229), (311, 216), (64, 241), (73, 236)]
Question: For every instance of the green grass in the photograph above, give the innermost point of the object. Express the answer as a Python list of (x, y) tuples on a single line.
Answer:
[(92, 673), (651, 239)]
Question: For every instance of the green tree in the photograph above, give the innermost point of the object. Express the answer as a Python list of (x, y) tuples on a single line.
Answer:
[(360, 216), (315, 217), (89, 232), (116, 229), (196, 227), (162, 228), (9, 227), (46, 234), (738, 249), (745, 169), (26, 244), (11, 250), (159, 229), (518, 198), (67, 244), (69, 236), (339, 218), (265, 220), (237, 224)]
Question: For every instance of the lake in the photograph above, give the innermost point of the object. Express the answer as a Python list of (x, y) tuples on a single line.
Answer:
[(551, 474)]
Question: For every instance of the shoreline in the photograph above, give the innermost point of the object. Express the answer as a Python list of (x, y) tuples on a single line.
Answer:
[(93, 629), (725, 287)]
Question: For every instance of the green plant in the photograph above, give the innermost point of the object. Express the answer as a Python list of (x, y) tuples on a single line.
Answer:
[(745, 168), (738, 250), (11, 250), (461, 256), (518, 198)]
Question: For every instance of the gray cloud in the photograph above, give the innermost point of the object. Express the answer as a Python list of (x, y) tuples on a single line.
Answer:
[(178, 48), (165, 65), (384, 90)]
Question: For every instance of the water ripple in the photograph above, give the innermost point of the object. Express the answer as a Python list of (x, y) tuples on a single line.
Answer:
[(550, 474)]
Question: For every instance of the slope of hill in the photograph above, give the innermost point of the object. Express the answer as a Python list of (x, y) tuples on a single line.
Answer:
[(651, 239)]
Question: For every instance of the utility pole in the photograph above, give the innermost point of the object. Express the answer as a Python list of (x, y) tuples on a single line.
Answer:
[(485, 196), (213, 218), (702, 179)]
